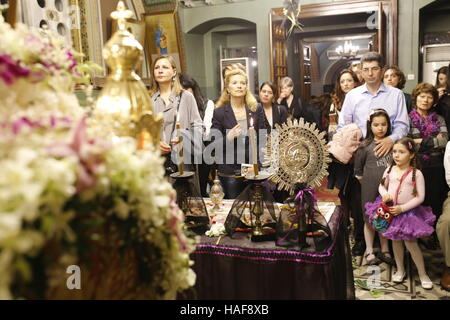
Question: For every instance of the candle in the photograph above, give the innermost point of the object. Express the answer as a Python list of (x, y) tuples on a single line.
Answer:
[(180, 149), (144, 138), (253, 146)]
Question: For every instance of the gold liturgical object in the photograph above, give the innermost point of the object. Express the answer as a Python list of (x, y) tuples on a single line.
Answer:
[(124, 103)]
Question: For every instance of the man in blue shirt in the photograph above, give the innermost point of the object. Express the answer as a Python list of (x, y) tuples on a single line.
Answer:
[(357, 106), (360, 101)]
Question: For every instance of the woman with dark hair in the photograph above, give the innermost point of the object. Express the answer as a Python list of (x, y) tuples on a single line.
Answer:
[(442, 84), (429, 132), (395, 77), (274, 113), (188, 83), (323, 104), (443, 87), (346, 81), (206, 110)]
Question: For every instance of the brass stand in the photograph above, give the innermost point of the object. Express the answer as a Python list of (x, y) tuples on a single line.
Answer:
[(259, 233), (190, 201)]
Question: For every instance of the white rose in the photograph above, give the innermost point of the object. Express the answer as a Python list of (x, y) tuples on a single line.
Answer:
[(121, 208), (10, 225)]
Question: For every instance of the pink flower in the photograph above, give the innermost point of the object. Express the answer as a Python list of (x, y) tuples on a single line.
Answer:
[(88, 152), (11, 70), (173, 223), (25, 122)]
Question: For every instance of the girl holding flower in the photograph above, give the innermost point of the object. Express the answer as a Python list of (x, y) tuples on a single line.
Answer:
[(429, 131)]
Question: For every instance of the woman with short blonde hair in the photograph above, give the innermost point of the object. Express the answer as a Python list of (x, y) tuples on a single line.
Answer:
[(287, 98)]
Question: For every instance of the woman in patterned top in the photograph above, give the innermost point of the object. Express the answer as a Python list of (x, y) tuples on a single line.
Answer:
[(429, 131)]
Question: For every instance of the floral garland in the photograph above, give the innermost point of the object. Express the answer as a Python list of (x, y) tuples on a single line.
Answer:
[(60, 188), (428, 126)]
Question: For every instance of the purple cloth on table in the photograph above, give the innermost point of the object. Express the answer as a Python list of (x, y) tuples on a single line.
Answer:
[(240, 269)]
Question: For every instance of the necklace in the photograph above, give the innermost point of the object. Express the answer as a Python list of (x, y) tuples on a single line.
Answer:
[(239, 112)]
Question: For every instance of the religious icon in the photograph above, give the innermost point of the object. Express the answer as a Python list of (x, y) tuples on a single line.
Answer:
[(161, 39)]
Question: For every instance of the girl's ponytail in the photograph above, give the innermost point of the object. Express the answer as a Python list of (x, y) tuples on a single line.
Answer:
[(383, 180), (414, 192)]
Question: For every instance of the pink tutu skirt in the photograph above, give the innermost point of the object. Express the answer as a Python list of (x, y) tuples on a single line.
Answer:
[(412, 224)]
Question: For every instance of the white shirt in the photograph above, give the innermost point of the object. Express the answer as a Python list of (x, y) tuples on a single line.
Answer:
[(447, 163), (207, 120)]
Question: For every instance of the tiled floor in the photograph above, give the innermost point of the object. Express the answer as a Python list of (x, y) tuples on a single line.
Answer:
[(410, 289)]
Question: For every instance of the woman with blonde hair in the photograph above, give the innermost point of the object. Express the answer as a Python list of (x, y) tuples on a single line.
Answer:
[(236, 111), (176, 105)]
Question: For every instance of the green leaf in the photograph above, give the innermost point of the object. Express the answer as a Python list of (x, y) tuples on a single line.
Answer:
[(48, 224), (376, 293), (362, 284), (24, 269)]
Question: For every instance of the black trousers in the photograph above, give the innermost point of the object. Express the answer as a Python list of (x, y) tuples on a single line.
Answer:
[(353, 198)]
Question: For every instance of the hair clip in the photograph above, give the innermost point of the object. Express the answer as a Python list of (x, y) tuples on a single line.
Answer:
[(410, 145)]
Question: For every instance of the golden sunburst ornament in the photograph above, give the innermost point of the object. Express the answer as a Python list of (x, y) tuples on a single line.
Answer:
[(298, 153)]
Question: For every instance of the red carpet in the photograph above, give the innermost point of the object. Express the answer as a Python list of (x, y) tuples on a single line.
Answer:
[(327, 195)]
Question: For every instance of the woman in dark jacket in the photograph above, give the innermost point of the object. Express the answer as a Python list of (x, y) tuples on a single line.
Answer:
[(273, 113), (288, 99), (236, 111)]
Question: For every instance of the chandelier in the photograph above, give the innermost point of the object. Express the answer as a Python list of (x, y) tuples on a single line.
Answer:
[(348, 50)]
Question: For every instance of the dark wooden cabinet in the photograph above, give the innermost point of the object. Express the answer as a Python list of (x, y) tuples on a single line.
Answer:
[(376, 20), (278, 59)]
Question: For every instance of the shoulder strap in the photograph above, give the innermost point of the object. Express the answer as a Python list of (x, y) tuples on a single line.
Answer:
[(400, 184), (176, 115)]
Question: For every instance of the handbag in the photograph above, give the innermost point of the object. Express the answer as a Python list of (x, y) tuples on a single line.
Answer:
[(383, 217), (169, 166)]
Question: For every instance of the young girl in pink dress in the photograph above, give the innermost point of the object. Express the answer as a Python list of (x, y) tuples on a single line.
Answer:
[(402, 190)]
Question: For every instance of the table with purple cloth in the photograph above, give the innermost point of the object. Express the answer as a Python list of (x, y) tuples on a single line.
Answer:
[(238, 268)]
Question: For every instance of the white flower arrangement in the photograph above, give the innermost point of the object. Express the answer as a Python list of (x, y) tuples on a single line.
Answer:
[(217, 229), (51, 168)]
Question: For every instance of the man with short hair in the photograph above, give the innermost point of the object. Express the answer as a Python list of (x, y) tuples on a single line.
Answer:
[(358, 104)]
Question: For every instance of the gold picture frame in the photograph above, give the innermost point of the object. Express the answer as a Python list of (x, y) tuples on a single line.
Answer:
[(93, 28), (10, 14), (138, 29), (163, 37)]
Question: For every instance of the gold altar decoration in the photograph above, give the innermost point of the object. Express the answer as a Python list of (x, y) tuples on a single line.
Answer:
[(216, 194), (298, 153), (124, 102)]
